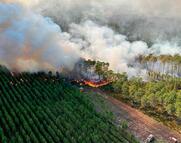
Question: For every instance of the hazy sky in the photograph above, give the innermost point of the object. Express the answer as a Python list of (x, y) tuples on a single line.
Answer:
[(171, 8)]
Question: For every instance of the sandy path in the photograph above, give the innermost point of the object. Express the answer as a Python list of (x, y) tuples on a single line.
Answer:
[(142, 125), (139, 124)]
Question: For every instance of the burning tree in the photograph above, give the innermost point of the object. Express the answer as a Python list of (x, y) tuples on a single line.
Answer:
[(93, 73)]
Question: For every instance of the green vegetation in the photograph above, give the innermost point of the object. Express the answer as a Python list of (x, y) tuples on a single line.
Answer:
[(161, 98), (41, 108), (124, 124), (163, 58)]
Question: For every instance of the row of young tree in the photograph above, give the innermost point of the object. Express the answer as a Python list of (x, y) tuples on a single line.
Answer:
[(41, 108)]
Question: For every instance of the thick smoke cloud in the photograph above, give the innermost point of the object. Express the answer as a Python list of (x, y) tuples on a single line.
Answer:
[(114, 31), (31, 42), (102, 43), (152, 26), (146, 20)]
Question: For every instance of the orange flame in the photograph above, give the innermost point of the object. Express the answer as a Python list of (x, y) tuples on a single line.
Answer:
[(96, 84)]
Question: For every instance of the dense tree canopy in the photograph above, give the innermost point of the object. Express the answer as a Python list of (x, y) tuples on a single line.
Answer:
[(42, 108)]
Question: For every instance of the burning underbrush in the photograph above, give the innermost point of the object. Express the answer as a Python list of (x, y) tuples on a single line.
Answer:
[(94, 84), (90, 73)]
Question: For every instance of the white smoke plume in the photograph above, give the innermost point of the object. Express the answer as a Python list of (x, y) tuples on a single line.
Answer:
[(146, 20), (103, 44), (29, 41), (114, 31)]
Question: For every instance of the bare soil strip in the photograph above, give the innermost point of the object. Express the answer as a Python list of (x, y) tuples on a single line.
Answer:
[(142, 125)]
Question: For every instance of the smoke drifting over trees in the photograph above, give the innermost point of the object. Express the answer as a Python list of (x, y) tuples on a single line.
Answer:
[(115, 31), (137, 19)]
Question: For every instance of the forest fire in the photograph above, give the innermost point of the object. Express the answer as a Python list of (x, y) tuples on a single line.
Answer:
[(91, 83), (96, 84)]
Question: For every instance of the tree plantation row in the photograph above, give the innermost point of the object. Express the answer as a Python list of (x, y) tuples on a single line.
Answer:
[(39, 108)]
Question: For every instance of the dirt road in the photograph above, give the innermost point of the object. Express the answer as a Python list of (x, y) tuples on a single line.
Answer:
[(142, 125), (139, 124)]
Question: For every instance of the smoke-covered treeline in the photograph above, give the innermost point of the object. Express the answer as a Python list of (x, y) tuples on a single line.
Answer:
[(115, 31), (164, 64)]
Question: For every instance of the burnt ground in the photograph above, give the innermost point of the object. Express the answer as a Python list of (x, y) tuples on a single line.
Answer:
[(139, 124)]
